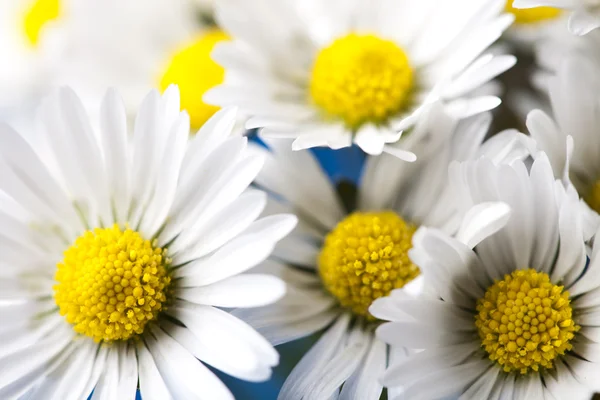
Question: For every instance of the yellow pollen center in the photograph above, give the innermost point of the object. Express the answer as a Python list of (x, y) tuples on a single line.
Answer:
[(532, 15), (365, 257), (111, 283), (525, 321), (593, 197), (195, 72), (37, 16), (360, 79)]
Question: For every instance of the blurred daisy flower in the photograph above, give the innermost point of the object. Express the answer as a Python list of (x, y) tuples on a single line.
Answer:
[(29, 42), (339, 260), (584, 16), (514, 309), (569, 132), (138, 45), (120, 248), (354, 71)]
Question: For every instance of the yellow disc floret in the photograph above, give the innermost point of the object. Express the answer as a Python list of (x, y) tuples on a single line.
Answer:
[(532, 15), (195, 72), (365, 257), (592, 198), (37, 16), (111, 283), (525, 321), (361, 78)]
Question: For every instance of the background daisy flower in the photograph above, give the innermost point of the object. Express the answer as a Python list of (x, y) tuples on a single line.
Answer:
[(120, 248), (342, 72), (30, 38), (339, 259), (140, 45), (513, 308), (584, 16)]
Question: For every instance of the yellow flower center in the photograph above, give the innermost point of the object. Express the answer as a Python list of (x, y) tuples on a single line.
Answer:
[(361, 78), (194, 71), (593, 197), (532, 15), (525, 321), (37, 16), (111, 283), (365, 257)]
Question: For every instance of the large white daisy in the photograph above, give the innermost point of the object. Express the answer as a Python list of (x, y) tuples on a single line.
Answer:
[(139, 45), (340, 72), (338, 261), (119, 249), (514, 309), (570, 136)]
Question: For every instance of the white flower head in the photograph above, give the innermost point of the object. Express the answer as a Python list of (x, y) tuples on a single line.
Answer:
[(338, 261), (139, 45), (341, 72), (119, 248), (513, 310), (584, 17)]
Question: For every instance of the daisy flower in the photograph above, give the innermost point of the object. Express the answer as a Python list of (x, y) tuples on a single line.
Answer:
[(584, 16), (29, 33), (139, 45), (513, 313), (338, 261), (119, 250), (341, 72), (570, 137)]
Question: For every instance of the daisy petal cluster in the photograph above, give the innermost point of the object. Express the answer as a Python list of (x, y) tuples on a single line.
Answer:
[(338, 199)]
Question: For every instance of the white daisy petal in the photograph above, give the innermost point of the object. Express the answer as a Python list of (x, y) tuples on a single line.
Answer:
[(238, 363), (113, 123), (184, 375), (302, 376), (582, 23), (222, 183), (228, 342), (416, 336), (107, 385), (342, 366), (448, 382), (240, 254), (248, 290), (166, 181), (152, 385), (20, 363), (223, 226), (286, 331), (481, 221), (364, 383), (128, 373), (46, 199), (69, 379)]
